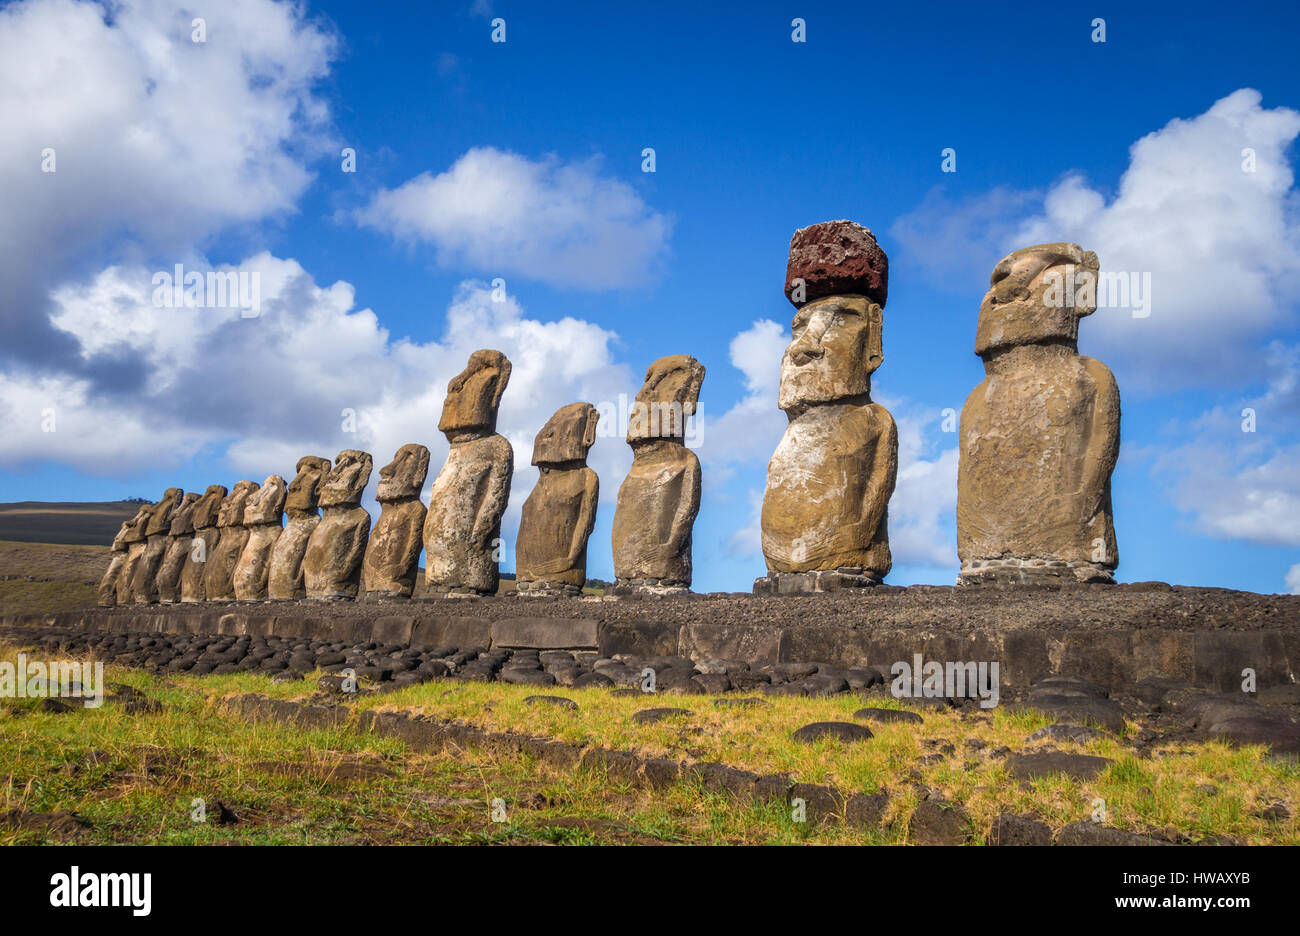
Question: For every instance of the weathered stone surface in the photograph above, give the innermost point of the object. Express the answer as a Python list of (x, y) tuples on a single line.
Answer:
[(332, 564), (836, 258), (1040, 435), (830, 479), (179, 538), (1054, 763), (938, 822), (553, 633), (651, 715), (888, 715), (1010, 829), (262, 519), (660, 497), (110, 585), (285, 581), (219, 570), (203, 543), (463, 526), (144, 581), (844, 731), (557, 519), (393, 553)]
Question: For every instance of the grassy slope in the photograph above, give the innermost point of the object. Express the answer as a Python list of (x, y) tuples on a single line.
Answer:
[(40, 578), (89, 524)]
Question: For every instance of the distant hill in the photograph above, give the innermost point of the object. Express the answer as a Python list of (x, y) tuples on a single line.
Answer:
[(68, 524)]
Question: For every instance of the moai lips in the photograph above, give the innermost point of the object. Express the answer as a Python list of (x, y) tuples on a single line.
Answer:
[(332, 564), (557, 519), (111, 584), (262, 519), (219, 573), (462, 529), (393, 553), (660, 497), (285, 581), (180, 535), (825, 518), (1040, 434), (203, 543), (144, 588)]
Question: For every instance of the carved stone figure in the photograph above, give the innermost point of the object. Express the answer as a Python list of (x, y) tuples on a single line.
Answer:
[(262, 518), (203, 544), (660, 496), (825, 518), (109, 585), (1040, 435), (551, 552), (219, 573), (144, 587), (462, 530), (393, 554), (285, 582), (332, 564), (179, 538)]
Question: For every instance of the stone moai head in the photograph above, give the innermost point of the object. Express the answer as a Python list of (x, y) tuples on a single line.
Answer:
[(304, 489), (267, 505), (208, 507), (1037, 295), (666, 400), (343, 485), (402, 478), (183, 516), (160, 517), (567, 435), (232, 508), (473, 396), (838, 278), (132, 531)]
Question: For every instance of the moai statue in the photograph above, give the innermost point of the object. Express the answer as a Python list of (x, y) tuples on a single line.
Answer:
[(825, 518), (462, 531), (203, 544), (135, 542), (144, 588), (180, 537), (262, 518), (551, 552), (1040, 435), (219, 574), (393, 554), (285, 582), (660, 496), (108, 586), (332, 564)]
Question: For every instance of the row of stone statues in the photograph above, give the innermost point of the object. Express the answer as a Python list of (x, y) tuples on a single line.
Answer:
[(1038, 441)]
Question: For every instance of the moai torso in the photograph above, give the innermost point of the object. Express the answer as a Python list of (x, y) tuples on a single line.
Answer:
[(462, 530), (262, 519), (660, 497), (558, 516), (1039, 436), (144, 585), (110, 584), (332, 565), (219, 574), (285, 579), (203, 543), (825, 510), (179, 538), (393, 553)]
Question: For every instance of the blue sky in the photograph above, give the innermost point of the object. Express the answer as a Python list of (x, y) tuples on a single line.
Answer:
[(523, 160)]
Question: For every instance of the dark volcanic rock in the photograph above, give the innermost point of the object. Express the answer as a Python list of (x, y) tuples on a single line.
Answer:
[(650, 715), (887, 715), (1010, 829), (844, 731), (1080, 766)]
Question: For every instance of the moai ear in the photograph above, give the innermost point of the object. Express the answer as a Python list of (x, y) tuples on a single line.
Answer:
[(692, 392), (875, 338), (589, 433)]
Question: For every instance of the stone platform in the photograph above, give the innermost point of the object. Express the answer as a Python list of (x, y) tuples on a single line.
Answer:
[(1113, 636)]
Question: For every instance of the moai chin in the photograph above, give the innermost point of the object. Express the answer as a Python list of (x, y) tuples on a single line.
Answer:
[(219, 573), (1040, 435), (660, 496), (331, 566), (203, 544), (825, 520), (144, 587), (462, 531), (111, 584), (551, 551), (393, 554), (262, 518), (285, 581), (180, 536)]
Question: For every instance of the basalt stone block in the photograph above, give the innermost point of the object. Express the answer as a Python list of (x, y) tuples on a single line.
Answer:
[(392, 630), (1009, 829), (545, 633), (393, 553)]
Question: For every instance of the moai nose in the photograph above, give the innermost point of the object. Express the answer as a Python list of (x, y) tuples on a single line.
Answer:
[(807, 355)]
